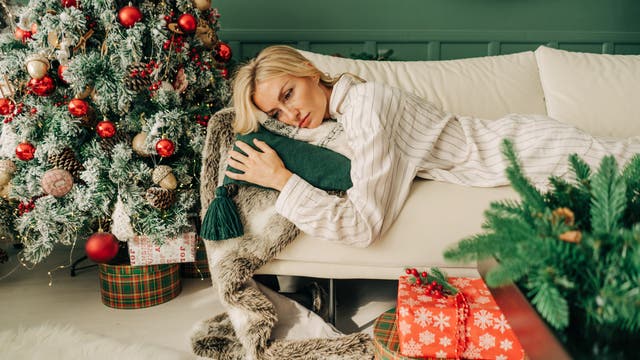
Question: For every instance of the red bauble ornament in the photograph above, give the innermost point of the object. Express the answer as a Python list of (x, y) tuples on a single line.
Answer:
[(187, 23), (69, 3), (101, 247), (106, 129), (7, 106), (25, 151), (165, 147), (61, 69), (22, 34), (223, 52), (78, 107), (42, 87), (129, 16)]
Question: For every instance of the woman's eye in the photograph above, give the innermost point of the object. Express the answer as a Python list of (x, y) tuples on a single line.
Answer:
[(276, 115), (287, 95)]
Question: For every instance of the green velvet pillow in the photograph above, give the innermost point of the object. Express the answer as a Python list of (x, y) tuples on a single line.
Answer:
[(320, 167)]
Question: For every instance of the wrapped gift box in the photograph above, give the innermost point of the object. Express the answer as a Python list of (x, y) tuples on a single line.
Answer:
[(129, 287), (437, 327), (181, 249)]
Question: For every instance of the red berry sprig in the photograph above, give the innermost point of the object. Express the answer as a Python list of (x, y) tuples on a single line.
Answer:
[(432, 288), (177, 41), (202, 119)]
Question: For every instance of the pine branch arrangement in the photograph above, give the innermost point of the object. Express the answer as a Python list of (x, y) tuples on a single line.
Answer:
[(574, 249)]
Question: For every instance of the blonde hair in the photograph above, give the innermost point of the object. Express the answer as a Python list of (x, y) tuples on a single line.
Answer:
[(272, 62)]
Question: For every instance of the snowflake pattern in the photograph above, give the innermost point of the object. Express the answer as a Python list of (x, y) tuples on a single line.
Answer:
[(487, 341), (410, 302), (445, 341), (471, 352), (424, 326), (441, 321), (404, 327), (417, 289), (411, 348), (501, 324), (460, 282), (422, 317), (427, 337), (506, 345), (441, 354), (483, 319)]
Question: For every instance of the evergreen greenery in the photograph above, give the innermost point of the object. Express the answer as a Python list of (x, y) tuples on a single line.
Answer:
[(575, 249), (190, 88)]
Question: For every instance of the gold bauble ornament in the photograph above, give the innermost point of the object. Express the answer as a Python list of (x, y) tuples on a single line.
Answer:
[(53, 39), (5, 191), (163, 176), (202, 5), (138, 144), (7, 168), (37, 66)]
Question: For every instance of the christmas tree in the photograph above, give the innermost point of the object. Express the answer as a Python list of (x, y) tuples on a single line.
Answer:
[(575, 249), (105, 106)]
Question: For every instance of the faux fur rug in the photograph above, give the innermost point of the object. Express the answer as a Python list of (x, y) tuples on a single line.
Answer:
[(244, 330), (53, 342)]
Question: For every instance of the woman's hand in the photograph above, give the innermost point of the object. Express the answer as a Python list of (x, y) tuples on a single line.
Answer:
[(264, 168)]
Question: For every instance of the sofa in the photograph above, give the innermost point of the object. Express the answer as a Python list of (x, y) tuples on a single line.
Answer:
[(595, 92)]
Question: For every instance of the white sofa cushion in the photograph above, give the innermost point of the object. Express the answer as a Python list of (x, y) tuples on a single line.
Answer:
[(435, 216), (486, 87), (595, 92)]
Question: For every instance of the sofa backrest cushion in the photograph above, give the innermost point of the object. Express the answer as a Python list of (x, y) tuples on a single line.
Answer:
[(486, 87), (598, 93)]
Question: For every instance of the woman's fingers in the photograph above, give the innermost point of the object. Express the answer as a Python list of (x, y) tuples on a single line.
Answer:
[(237, 165), (262, 145), (245, 147)]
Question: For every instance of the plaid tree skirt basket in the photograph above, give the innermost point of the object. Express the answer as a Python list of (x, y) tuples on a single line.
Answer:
[(200, 267), (385, 337), (135, 287)]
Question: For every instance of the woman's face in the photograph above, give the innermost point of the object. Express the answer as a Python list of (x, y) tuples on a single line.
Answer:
[(297, 101)]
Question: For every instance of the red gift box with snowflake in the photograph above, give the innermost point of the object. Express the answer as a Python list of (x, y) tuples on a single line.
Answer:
[(466, 325)]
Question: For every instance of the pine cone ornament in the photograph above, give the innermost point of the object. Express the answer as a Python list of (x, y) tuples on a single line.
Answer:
[(107, 144), (138, 77), (67, 160), (160, 198)]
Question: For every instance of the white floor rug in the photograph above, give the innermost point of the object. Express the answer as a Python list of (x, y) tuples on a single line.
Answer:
[(53, 342)]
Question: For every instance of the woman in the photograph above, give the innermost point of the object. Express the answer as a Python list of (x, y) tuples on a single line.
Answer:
[(391, 137)]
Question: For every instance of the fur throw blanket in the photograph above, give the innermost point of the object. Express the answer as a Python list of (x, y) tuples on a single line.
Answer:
[(244, 330)]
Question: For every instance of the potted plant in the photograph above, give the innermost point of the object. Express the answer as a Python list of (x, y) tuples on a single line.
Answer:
[(573, 250)]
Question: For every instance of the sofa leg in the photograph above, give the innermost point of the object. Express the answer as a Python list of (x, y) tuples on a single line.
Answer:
[(332, 302)]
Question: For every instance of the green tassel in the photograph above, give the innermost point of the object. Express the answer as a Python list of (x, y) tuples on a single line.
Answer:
[(222, 220)]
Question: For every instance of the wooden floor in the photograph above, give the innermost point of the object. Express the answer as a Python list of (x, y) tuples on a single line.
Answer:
[(26, 299)]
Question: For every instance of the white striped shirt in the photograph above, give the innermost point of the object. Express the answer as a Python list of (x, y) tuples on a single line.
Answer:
[(395, 136)]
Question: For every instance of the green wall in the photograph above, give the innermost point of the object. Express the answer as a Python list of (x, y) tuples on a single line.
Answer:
[(431, 29)]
